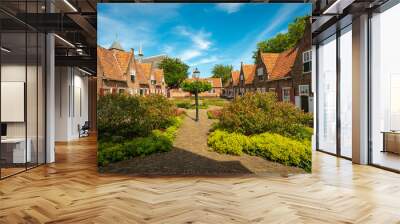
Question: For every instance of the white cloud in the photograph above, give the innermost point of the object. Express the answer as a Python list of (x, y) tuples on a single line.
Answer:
[(168, 49), (199, 38), (206, 60), (229, 7), (129, 36), (189, 54), (195, 43)]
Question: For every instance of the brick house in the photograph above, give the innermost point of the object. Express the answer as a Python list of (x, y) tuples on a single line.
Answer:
[(246, 78), (216, 90), (119, 72), (232, 85), (288, 74)]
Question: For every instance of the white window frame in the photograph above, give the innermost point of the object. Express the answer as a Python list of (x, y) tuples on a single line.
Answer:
[(302, 88), (307, 58), (106, 91), (286, 98)]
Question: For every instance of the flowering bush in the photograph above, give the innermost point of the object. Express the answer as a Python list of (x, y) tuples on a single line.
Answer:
[(270, 146), (256, 113), (214, 114), (124, 117)]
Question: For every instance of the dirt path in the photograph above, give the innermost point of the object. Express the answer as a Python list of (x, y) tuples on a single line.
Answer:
[(192, 156)]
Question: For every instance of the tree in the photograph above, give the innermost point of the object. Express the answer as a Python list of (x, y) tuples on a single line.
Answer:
[(175, 71), (283, 41), (223, 72), (195, 87)]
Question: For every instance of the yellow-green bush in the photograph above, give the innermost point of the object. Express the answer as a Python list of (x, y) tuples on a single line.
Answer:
[(270, 146), (228, 143), (157, 141)]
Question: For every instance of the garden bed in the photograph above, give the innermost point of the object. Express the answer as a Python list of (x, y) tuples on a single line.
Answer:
[(257, 124), (190, 156)]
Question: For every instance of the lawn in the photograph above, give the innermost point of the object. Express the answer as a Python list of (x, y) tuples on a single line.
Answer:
[(204, 103)]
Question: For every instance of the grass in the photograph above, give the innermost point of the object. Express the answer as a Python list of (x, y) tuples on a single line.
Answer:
[(189, 102)]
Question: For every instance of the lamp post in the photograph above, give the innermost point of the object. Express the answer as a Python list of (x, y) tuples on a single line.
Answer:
[(196, 75)]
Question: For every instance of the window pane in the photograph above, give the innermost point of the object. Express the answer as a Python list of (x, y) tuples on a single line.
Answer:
[(346, 92), (327, 95), (385, 89), (14, 153)]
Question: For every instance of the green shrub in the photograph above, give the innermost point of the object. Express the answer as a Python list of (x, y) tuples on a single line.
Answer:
[(157, 141), (256, 113), (121, 117), (185, 105), (281, 149), (228, 143), (270, 146)]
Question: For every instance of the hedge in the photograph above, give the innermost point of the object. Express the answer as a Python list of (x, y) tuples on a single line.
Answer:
[(125, 117), (256, 113), (157, 141), (270, 146)]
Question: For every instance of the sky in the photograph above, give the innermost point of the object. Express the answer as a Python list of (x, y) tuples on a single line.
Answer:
[(201, 35)]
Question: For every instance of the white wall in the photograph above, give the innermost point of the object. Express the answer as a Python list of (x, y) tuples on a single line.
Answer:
[(71, 103)]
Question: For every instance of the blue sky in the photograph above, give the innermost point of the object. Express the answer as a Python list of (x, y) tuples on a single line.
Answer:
[(201, 35)]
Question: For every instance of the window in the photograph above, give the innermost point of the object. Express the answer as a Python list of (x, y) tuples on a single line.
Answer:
[(327, 126), (121, 91), (133, 75), (286, 94), (153, 82), (241, 77), (345, 93), (304, 90), (307, 57), (385, 89), (106, 91), (260, 73)]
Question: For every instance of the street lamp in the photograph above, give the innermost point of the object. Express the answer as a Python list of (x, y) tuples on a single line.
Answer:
[(196, 75)]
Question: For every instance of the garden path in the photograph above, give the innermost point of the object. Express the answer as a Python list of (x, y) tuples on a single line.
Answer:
[(191, 156)]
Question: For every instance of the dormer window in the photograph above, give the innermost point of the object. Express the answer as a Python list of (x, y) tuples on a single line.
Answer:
[(152, 80), (133, 75), (260, 73)]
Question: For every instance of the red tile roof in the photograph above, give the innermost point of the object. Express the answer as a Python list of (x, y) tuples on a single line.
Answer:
[(144, 72), (235, 77), (115, 66), (158, 75), (279, 66), (217, 82), (249, 72), (269, 60), (114, 63)]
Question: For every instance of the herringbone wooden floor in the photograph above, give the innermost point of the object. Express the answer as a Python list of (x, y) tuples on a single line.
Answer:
[(72, 191)]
